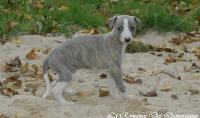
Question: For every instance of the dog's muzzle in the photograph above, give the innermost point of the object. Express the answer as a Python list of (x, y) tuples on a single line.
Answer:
[(127, 40)]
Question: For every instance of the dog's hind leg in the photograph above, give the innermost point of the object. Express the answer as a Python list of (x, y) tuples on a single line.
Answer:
[(48, 85), (64, 77)]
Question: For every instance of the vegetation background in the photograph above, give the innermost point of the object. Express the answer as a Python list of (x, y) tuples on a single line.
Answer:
[(69, 16)]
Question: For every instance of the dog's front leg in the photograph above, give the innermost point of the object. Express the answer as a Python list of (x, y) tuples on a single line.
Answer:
[(116, 81), (116, 84)]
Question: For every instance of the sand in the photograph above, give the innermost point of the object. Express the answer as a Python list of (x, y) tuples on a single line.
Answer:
[(90, 105)]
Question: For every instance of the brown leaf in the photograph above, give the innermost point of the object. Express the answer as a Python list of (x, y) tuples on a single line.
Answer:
[(3, 116), (18, 84), (174, 96), (181, 55), (9, 69), (3, 39), (14, 62), (12, 78), (140, 69), (198, 56), (198, 18), (103, 93), (159, 55), (193, 91), (16, 40), (79, 93), (35, 67), (138, 81), (166, 87), (103, 76), (34, 75), (95, 32), (24, 68), (129, 80), (186, 69), (10, 25), (32, 55), (38, 5), (152, 93), (26, 89), (30, 79), (168, 50), (145, 100), (176, 41), (46, 51)]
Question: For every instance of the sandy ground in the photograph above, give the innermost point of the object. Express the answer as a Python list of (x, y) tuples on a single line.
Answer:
[(90, 105)]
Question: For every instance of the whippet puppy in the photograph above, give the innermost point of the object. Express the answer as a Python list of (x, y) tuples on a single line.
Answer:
[(104, 51)]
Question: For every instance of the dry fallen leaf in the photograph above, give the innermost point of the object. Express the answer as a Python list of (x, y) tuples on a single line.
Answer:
[(196, 75), (30, 79), (152, 93), (19, 115), (3, 116), (9, 69), (17, 84), (32, 55), (193, 91), (138, 81), (14, 62), (85, 31), (187, 69), (145, 100), (12, 78), (46, 51), (79, 93), (34, 75), (95, 32), (166, 87), (35, 67), (10, 25), (26, 89), (176, 41), (181, 55), (3, 39), (64, 8), (38, 5), (24, 68), (129, 80), (174, 96), (103, 76), (103, 93), (16, 40), (11, 92)]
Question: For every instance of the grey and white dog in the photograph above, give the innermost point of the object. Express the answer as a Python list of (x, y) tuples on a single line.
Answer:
[(105, 51)]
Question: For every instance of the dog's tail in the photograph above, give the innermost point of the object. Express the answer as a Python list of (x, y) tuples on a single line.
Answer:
[(46, 78)]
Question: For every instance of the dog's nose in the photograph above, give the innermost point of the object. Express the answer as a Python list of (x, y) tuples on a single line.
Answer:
[(127, 40)]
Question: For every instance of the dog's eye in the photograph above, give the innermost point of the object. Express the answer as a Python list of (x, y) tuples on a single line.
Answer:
[(120, 28), (132, 28)]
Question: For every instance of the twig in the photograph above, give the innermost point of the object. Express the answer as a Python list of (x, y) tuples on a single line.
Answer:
[(173, 76)]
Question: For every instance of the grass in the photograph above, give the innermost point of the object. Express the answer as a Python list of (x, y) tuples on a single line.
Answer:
[(69, 16), (137, 47)]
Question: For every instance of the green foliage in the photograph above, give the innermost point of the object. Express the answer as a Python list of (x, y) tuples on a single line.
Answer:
[(68, 16), (137, 47)]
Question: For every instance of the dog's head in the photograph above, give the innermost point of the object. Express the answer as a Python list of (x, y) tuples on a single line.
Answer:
[(124, 27)]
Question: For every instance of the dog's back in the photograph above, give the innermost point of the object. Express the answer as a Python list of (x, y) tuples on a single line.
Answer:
[(80, 52)]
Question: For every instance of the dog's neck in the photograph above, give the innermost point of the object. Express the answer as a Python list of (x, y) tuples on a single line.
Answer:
[(117, 46)]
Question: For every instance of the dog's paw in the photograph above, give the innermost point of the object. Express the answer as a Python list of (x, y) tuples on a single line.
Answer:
[(70, 91)]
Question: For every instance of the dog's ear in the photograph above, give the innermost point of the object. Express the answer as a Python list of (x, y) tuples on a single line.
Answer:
[(111, 21), (138, 21)]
